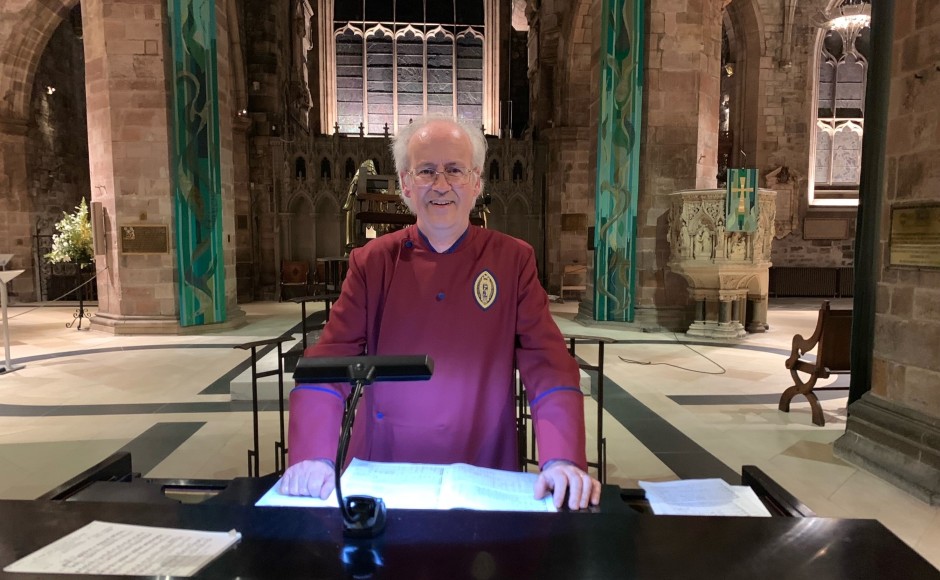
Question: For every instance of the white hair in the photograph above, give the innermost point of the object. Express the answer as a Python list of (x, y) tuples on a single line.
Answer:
[(406, 132)]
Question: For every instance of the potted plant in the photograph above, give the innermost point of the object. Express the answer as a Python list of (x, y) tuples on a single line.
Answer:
[(74, 244)]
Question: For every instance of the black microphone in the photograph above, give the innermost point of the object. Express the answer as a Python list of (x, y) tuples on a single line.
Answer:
[(363, 516)]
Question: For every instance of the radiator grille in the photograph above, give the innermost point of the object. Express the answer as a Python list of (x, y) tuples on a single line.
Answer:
[(811, 282)]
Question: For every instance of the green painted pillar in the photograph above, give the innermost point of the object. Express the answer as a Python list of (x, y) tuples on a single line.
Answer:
[(871, 197), (195, 162), (618, 159)]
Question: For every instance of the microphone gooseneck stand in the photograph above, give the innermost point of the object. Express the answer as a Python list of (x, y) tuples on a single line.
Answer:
[(364, 516)]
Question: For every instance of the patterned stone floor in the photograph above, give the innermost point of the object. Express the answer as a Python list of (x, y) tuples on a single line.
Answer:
[(674, 408)]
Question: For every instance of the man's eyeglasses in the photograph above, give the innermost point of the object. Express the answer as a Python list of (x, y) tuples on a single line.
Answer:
[(453, 175)]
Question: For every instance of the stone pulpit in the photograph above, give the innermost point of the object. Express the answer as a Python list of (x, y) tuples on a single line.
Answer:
[(727, 272)]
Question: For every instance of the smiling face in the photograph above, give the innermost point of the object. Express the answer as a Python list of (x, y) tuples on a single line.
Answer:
[(442, 210)]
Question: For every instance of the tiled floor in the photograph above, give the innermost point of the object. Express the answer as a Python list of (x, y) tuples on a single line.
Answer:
[(673, 408)]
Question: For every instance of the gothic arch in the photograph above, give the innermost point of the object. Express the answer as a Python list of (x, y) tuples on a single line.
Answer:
[(511, 213), (492, 174), (20, 56), (299, 198), (517, 202), (524, 224), (750, 46), (849, 130), (518, 169), (576, 90), (300, 167), (300, 242), (327, 226)]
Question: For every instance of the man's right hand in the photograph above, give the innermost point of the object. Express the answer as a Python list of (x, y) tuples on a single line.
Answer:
[(314, 478)]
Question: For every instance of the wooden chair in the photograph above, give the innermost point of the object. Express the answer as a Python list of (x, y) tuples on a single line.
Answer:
[(294, 274), (572, 279), (832, 340)]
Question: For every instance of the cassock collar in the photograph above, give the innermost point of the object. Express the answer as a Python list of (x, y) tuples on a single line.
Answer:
[(449, 250)]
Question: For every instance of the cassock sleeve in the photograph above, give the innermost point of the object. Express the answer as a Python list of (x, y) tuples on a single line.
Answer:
[(550, 374), (316, 411)]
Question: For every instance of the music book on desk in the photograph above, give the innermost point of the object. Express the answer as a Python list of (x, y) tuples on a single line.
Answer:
[(702, 497), (428, 487)]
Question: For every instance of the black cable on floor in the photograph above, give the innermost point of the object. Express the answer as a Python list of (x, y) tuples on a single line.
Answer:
[(651, 363)]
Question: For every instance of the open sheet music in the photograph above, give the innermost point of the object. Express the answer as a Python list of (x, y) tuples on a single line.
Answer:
[(429, 487), (702, 497), (105, 548)]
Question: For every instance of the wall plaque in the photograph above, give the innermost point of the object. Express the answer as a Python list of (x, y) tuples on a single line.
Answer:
[(145, 239), (915, 236), (825, 229), (574, 222)]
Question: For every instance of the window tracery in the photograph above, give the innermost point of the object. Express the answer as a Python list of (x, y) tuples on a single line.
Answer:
[(398, 60), (842, 67)]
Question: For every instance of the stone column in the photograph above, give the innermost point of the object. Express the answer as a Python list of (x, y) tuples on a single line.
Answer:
[(758, 306), (894, 429), (128, 149), (680, 136), (15, 209), (128, 160), (699, 310)]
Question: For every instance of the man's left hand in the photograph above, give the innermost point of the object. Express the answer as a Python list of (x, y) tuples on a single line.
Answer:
[(562, 476)]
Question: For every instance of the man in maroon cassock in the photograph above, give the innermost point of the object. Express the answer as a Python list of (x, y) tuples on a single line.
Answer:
[(470, 299)]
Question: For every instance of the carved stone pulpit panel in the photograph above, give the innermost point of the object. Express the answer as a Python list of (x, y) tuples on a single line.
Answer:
[(788, 185), (727, 272)]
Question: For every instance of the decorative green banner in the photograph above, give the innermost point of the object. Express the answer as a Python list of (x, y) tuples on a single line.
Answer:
[(741, 209), (618, 159), (195, 169)]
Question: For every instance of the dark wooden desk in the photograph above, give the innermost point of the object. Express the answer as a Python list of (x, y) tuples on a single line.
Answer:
[(307, 543)]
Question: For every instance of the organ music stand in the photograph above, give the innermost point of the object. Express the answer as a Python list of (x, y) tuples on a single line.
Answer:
[(363, 516), (5, 277)]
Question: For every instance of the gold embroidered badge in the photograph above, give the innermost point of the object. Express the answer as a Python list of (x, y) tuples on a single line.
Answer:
[(484, 289)]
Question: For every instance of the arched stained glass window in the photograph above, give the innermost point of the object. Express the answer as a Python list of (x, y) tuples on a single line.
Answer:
[(840, 110), (400, 59), (440, 71), (380, 70), (349, 79), (469, 76), (410, 58)]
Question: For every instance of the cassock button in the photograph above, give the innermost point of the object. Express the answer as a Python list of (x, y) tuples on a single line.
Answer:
[(409, 243), (380, 415), (440, 296)]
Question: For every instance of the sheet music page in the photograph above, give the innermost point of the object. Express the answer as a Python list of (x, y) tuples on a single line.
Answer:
[(702, 497), (470, 487), (425, 486), (400, 485), (122, 549)]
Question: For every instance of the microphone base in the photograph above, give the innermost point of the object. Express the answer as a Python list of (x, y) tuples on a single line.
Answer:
[(368, 516)]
